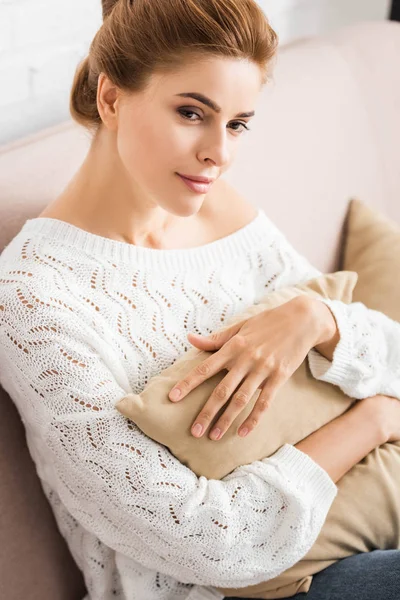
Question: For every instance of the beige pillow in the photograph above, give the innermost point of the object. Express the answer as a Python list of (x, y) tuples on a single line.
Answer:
[(372, 248), (151, 409)]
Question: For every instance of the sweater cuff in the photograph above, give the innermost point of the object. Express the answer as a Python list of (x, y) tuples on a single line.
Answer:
[(309, 476), (338, 371)]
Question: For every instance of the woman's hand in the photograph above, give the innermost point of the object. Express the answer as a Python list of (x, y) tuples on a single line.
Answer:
[(260, 352)]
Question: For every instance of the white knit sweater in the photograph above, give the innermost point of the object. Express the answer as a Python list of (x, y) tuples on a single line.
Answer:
[(84, 320)]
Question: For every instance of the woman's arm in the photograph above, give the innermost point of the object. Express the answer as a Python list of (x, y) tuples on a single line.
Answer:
[(343, 442), (366, 345), (130, 491)]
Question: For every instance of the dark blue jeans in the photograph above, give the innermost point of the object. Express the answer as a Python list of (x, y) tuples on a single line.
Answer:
[(367, 576)]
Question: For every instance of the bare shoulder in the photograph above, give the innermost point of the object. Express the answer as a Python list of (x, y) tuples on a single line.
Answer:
[(228, 209)]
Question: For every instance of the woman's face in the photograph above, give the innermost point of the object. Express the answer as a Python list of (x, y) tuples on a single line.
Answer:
[(161, 133)]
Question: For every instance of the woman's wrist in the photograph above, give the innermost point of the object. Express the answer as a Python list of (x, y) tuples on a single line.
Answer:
[(377, 408), (327, 333)]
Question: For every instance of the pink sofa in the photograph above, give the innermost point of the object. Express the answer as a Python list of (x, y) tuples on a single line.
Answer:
[(326, 130)]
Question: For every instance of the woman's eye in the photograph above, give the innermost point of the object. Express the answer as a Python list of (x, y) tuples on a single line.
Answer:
[(190, 112), (184, 112), (243, 125)]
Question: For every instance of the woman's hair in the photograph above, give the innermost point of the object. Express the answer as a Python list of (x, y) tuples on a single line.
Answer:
[(141, 37)]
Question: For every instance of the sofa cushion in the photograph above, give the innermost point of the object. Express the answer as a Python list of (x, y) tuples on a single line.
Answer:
[(35, 561)]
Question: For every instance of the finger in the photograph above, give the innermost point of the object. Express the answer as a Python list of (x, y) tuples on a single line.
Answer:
[(203, 371), (218, 398), (264, 401), (215, 340), (238, 402)]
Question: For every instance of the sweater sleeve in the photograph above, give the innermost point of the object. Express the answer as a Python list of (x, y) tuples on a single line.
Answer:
[(366, 360), (127, 489)]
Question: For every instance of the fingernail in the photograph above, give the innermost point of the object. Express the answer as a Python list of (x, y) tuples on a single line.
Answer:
[(197, 430), (243, 432), (175, 395), (215, 434)]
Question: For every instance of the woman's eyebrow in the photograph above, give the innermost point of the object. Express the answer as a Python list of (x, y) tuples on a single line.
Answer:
[(211, 103)]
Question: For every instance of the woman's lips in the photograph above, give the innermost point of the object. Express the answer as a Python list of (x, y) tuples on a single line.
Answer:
[(196, 186)]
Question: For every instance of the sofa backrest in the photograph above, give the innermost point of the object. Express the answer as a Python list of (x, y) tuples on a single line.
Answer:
[(327, 129)]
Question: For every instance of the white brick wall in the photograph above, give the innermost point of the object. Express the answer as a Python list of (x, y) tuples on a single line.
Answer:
[(41, 42)]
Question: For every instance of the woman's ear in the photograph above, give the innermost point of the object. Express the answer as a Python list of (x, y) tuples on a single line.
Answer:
[(107, 102)]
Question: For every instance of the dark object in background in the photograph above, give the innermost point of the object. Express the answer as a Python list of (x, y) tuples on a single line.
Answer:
[(395, 11)]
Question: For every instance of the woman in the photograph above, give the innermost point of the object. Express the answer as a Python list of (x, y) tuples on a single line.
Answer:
[(98, 294)]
